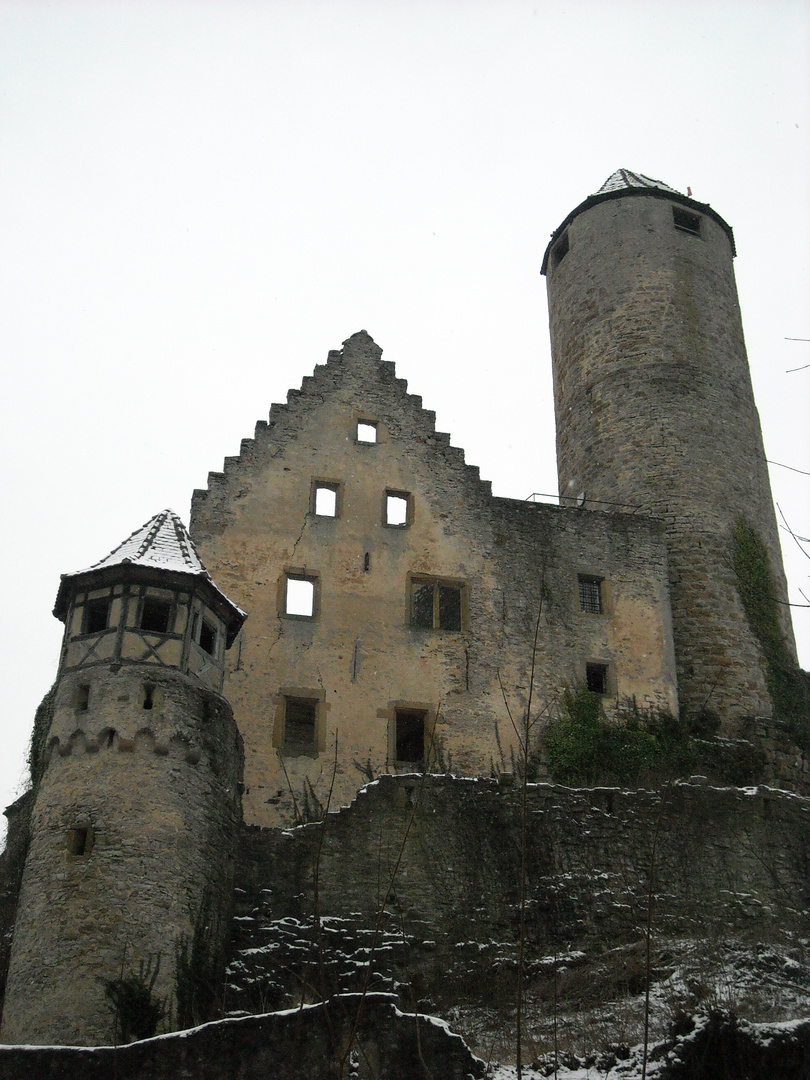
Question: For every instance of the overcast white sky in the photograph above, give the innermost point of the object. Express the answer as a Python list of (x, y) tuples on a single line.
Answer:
[(199, 200)]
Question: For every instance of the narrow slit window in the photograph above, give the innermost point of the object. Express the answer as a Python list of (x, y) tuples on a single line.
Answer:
[(410, 737), (148, 696), (684, 220), (300, 725), (596, 678), (325, 500), (366, 431), (590, 595), (96, 616), (82, 697), (156, 615), (80, 841), (299, 597), (397, 509)]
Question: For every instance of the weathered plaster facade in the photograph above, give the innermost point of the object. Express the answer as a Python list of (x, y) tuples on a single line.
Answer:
[(512, 566)]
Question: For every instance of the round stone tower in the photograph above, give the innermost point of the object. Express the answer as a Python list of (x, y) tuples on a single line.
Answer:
[(655, 413), (137, 767)]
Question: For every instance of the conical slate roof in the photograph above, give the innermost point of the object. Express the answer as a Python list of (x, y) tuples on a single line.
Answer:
[(162, 542), (625, 180)]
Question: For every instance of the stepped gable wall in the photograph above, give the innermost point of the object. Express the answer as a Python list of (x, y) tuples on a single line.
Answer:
[(359, 657)]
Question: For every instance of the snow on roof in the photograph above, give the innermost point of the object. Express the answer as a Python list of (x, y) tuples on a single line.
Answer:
[(625, 180), (163, 542)]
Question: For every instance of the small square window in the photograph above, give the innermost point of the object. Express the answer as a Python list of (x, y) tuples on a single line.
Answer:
[(325, 500), (300, 725), (299, 596), (596, 678), (590, 595), (80, 841), (435, 604), (397, 509), (96, 616), (156, 615), (682, 219), (366, 431), (410, 737)]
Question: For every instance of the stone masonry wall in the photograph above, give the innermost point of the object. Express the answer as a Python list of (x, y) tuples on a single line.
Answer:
[(133, 830), (655, 411), (358, 656)]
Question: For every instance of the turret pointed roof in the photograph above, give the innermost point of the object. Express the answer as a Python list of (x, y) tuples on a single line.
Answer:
[(162, 544), (624, 182)]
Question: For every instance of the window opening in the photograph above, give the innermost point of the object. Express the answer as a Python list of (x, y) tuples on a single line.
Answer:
[(435, 605), (208, 638), (596, 678), (80, 841), (96, 615), (682, 219), (155, 615), (82, 697), (366, 431), (560, 250), (396, 508), (299, 597), (367, 561), (300, 715), (590, 595), (410, 736), (325, 502), (148, 696)]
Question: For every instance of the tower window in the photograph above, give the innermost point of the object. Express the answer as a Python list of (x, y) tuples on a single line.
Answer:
[(80, 841), (560, 250), (366, 431), (590, 595), (300, 725), (82, 699), (596, 678), (436, 604), (156, 615), (208, 638), (148, 696), (410, 737), (325, 499), (96, 615), (299, 596), (682, 219), (397, 509)]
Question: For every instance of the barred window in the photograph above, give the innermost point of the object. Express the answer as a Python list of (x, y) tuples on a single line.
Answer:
[(590, 595)]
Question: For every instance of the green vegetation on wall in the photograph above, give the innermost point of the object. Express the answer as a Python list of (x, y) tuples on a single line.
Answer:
[(39, 736), (787, 683), (640, 746)]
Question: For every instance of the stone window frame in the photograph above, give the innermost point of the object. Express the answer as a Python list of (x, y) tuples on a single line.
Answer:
[(407, 497), (608, 671), (300, 694), (367, 421), (299, 573), (588, 579), (389, 714), (318, 483), (414, 579)]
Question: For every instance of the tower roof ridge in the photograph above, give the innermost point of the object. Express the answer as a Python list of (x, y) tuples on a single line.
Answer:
[(163, 541), (627, 180)]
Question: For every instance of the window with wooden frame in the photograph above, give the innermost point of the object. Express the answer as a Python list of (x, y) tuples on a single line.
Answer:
[(436, 604), (156, 615), (300, 722), (96, 615)]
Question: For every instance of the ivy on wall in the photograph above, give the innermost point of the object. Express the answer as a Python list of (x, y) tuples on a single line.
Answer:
[(39, 736), (787, 684)]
